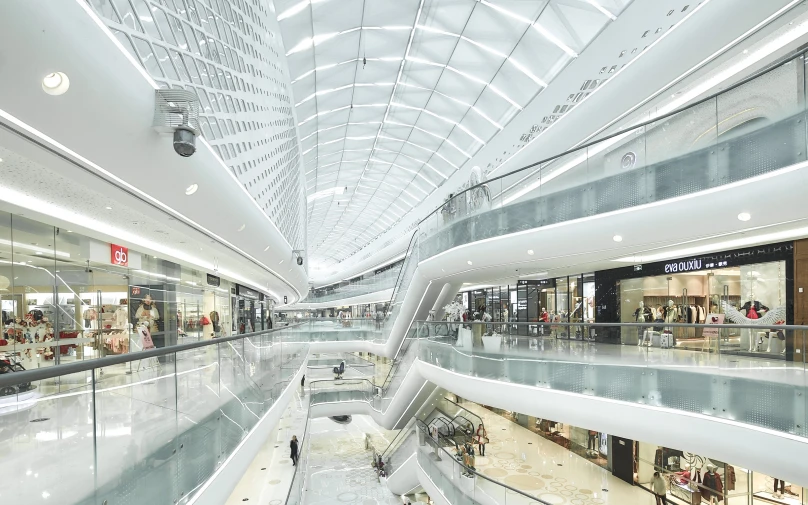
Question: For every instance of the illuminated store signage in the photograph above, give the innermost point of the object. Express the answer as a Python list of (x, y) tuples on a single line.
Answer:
[(119, 255)]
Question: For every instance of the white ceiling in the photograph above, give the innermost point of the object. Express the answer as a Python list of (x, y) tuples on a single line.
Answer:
[(393, 97)]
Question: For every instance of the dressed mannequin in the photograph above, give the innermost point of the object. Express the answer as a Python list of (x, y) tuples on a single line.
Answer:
[(147, 314), (713, 488), (641, 315)]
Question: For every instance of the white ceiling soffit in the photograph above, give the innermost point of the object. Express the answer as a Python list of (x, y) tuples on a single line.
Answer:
[(683, 47), (103, 123), (394, 97)]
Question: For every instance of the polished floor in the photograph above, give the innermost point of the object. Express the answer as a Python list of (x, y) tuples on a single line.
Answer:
[(269, 476), (340, 465), (525, 461)]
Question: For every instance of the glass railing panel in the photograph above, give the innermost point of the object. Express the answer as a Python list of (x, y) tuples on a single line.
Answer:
[(37, 418), (199, 397), (693, 376), (755, 128)]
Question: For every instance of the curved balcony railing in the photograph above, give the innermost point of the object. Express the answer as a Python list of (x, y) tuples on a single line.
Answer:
[(751, 129), (714, 380), (379, 282), (144, 427)]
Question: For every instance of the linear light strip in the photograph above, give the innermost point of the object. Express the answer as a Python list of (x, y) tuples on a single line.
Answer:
[(345, 62), (442, 118), (321, 130), (414, 172), (340, 88), (468, 76), (312, 42), (491, 50), (543, 31), (331, 111), (420, 147), (414, 159)]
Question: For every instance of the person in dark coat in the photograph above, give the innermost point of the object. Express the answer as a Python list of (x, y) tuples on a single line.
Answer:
[(293, 447)]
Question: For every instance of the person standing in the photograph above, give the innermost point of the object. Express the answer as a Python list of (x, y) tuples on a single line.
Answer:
[(482, 439), (293, 447), (303, 383), (659, 489)]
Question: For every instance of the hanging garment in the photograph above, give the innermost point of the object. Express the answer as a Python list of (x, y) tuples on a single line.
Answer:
[(730, 478)]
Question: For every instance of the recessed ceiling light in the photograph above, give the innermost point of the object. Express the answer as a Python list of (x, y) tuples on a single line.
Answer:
[(469, 262), (109, 208), (241, 228), (190, 190), (617, 238), (55, 83), (1, 160), (266, 248), (281, 263), (38, 253), (69, 231), (744, 216), (530, 252)]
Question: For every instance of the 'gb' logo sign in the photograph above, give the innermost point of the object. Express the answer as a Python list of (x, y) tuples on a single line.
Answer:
[(119, 255)]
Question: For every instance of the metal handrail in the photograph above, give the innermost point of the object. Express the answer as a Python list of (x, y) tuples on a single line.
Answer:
[(38, 374), (781, 61), (418, 423), (726, 325)]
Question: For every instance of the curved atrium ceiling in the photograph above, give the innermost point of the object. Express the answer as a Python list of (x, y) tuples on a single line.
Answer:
[(394, 96)]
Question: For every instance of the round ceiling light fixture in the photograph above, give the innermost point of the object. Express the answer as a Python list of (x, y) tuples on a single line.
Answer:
[(241, 228), (190, 190), (530, 252), (744, 216), (469, 262), (617, 238), (55, 83)]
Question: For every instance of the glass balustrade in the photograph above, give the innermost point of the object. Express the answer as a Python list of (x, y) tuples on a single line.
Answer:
[(750, 130), (146, 427), (713, 380), (373, 284)]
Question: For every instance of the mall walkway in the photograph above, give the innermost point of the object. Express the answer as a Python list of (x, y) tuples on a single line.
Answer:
[(340, 466), (524, 460), (269, 476)]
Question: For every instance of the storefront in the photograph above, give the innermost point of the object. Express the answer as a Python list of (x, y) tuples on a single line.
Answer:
[(67, 297), (250, 309), (751, 286), (693, 478), (588, 444)]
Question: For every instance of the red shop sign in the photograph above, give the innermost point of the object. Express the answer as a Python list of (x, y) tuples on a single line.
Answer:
[(119, 255)]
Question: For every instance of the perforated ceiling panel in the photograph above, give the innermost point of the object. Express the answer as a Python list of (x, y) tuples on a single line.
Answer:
[(393, 97), (227, 53)]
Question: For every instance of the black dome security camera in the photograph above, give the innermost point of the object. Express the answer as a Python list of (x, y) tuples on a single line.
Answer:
[(300, 260), (184, 141)]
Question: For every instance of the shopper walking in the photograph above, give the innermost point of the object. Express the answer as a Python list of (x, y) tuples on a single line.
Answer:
[(482, 439), (303, 383), (659, 489), (293, 447)]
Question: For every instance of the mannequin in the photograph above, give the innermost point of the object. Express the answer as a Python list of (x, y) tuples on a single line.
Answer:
[(147, 314), (642, 315), (713, 489)]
